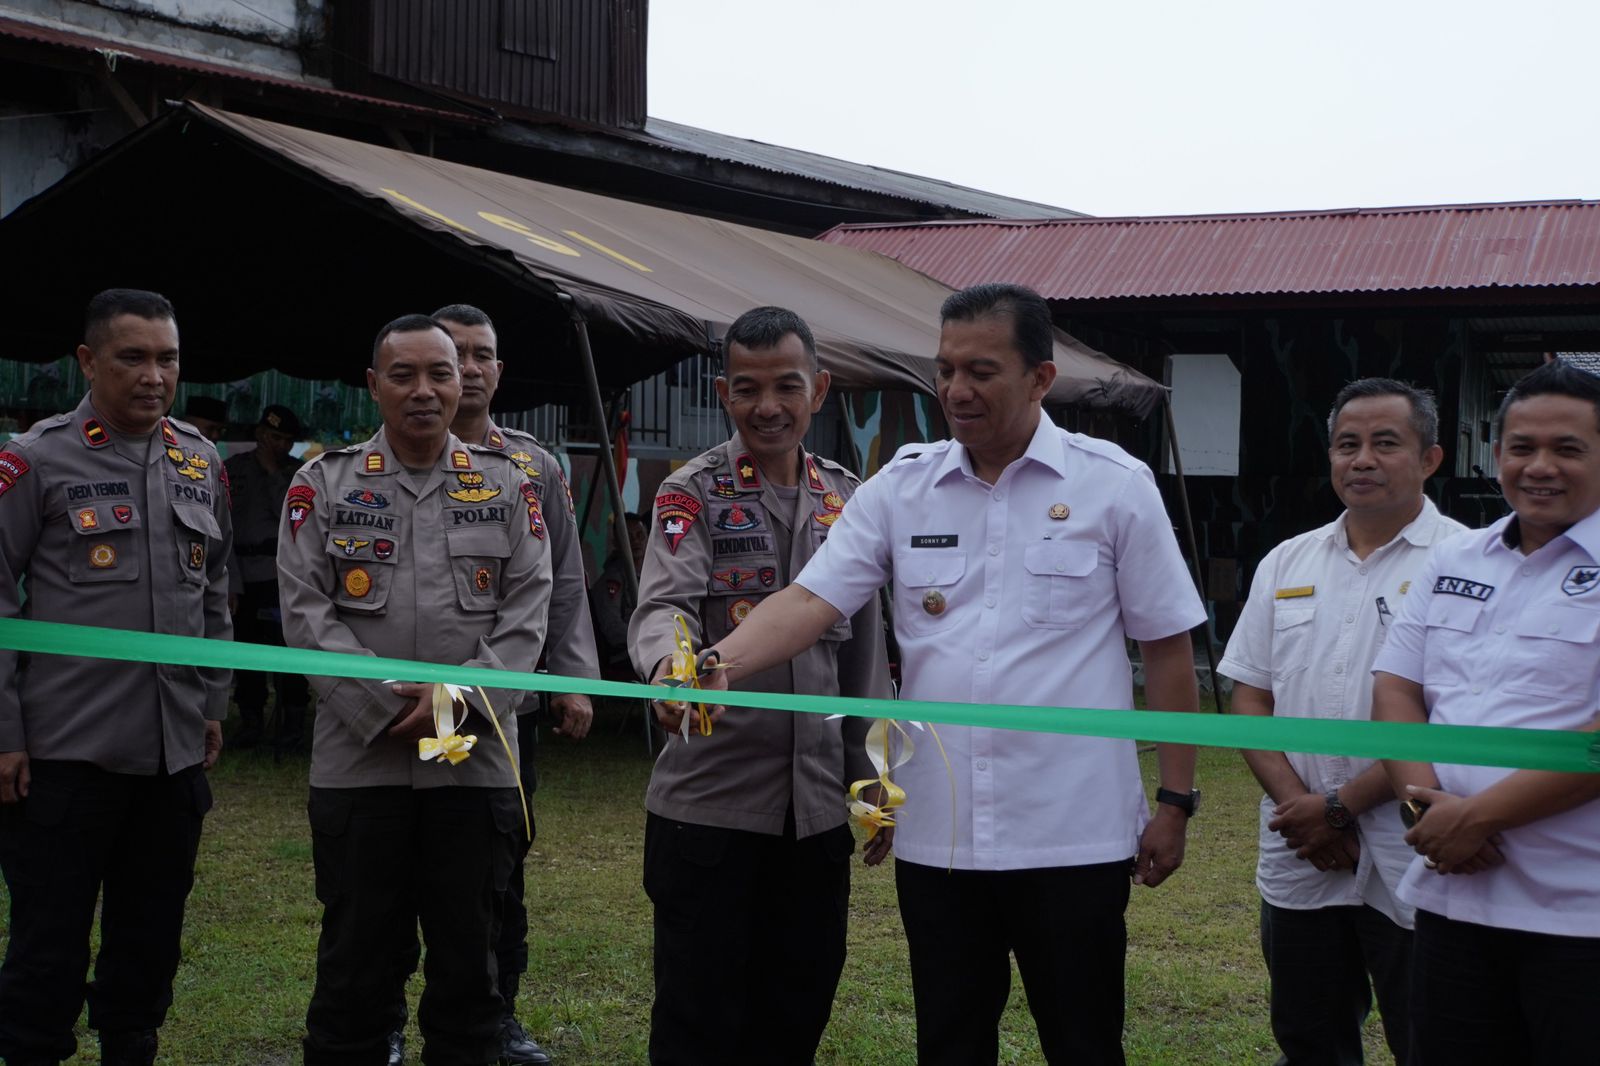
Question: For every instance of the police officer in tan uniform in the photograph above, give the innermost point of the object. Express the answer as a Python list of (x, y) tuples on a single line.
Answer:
[(569, 651), (746, 843), (412, 545), (112, 515), (260, 480)]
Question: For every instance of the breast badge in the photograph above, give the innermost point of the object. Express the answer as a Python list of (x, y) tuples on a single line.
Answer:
[(197, 555), (722, 485), (473, 489), (102, 557), (1060, 511), (933, 602), (357, 582), (768, 575), (382, 549), (376, 501), (736, 519), (739, 610), (122, 513), (87, 519), (349, 545), (1580, 579), (482, 578), (734, 578)]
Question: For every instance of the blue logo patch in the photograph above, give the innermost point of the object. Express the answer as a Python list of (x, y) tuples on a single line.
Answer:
[(367, 498)]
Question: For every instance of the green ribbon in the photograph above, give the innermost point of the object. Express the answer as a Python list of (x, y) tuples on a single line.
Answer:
[(1533, 749)]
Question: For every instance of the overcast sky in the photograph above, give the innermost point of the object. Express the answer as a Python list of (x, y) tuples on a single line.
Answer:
[(1145, 107)]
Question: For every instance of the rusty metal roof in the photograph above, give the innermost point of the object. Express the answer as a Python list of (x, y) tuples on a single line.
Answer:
[(1361, 250), (115, 51)]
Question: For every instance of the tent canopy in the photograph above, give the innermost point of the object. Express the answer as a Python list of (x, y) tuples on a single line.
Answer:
[(287, 248)]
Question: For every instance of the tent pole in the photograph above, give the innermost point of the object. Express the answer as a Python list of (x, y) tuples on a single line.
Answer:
[(607, 459), (594, 485), (1194, 548)]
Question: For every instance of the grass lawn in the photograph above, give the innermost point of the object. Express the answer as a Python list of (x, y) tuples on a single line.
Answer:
[(1196, 985)]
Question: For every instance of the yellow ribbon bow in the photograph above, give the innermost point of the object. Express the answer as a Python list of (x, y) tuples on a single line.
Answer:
[(684, 674), (453, 747), (885, 759)]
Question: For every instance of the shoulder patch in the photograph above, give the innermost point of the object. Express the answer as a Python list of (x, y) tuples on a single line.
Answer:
[(12, 467)]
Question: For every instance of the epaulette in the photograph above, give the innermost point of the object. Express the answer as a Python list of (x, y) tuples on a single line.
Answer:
[(1103, 448), (44, 425), (520, 435), (909, 454), (186, 427), (838, 468)]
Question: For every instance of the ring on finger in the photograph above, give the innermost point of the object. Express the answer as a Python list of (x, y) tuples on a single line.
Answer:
[(1430, 864)]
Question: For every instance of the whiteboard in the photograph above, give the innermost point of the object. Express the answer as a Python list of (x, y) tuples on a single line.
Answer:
[(1205, 409)]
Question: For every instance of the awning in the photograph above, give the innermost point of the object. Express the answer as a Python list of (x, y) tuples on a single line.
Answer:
[(287, 248)]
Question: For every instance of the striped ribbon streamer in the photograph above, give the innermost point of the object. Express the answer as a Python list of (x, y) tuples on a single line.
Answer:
[(1534, 749)]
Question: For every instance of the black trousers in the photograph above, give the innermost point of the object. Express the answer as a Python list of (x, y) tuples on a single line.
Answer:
[(84, 834), (385, 859), (511, 939), (257, 623), (1320, 961), (1065, 926), (749, 941), (1482, 995)]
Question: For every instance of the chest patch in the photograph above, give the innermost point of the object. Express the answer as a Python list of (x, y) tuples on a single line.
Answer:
[(1460, 586), (1580, 579)]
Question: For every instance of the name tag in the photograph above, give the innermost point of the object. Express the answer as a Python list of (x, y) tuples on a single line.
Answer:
[(1460, 586), (1298, 592), (934, 540)]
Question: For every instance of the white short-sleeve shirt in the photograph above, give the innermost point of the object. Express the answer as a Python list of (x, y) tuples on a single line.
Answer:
[(1498, 638), (1315, 619), (1023, 592)]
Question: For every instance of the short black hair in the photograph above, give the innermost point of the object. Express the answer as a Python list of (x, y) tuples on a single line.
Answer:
[(463, 314), (1551, 379), (765, 327), (106, 305), (1032, 330), (405, 324), (1424, 408)]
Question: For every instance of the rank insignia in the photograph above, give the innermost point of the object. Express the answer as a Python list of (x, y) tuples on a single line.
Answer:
[(734, 578), (198, 461), (191, 473), (349, 545), (382, 549), (736, 519), (482, 578), (12, 467), (832, 504), (299, 504), (197, 555), (473, 489), (933, 602), (524, 463), (813, 478), (167, 434), (102, 557), (376, 501), (96, 436), (768, 575), (460, 461), (739, 610), (1580, 579), (496, 440), (722, 485), (374, 462), (1405, 587), (745, 467), (122, 513), (676, 512), (87, 519), (1059, 511), (827, 518), (176, 455), (357, 582)]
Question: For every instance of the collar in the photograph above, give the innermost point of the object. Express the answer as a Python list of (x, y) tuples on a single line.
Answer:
[(736, 453), (1420, 532), (1046, 447), (1586, 535), (378, 457)]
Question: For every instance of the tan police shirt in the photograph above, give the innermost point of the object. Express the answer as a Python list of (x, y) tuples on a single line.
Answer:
[(257, 503), (723, 539), (569, 644), (123, 532), (449, 565)]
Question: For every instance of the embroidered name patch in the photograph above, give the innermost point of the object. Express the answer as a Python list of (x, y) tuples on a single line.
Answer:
[(1460, 586), (1298, 592), (935, 540)]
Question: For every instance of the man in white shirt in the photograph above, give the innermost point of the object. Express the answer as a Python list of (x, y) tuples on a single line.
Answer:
[(1022, 558), (1502, 628), (1332, 851)]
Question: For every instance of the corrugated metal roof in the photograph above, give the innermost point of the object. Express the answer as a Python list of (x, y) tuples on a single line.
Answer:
[(1364, 250), (116, 51), (780, 160)]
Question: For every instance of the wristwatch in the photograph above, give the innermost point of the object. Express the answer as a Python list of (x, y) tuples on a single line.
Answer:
[(1411, 812), (1338, 815), (1187, 802)]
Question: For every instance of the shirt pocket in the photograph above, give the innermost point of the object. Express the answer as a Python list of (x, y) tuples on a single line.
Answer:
[(362, 580), (195, 530), (108, 545), (1450, 622), (478, 560), (1556, 651), (925, 582), (1057, 585), (1291, 640)]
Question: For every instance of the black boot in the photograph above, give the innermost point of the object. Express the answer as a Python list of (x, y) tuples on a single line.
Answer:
[(137, 1048), (517, 1048)]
